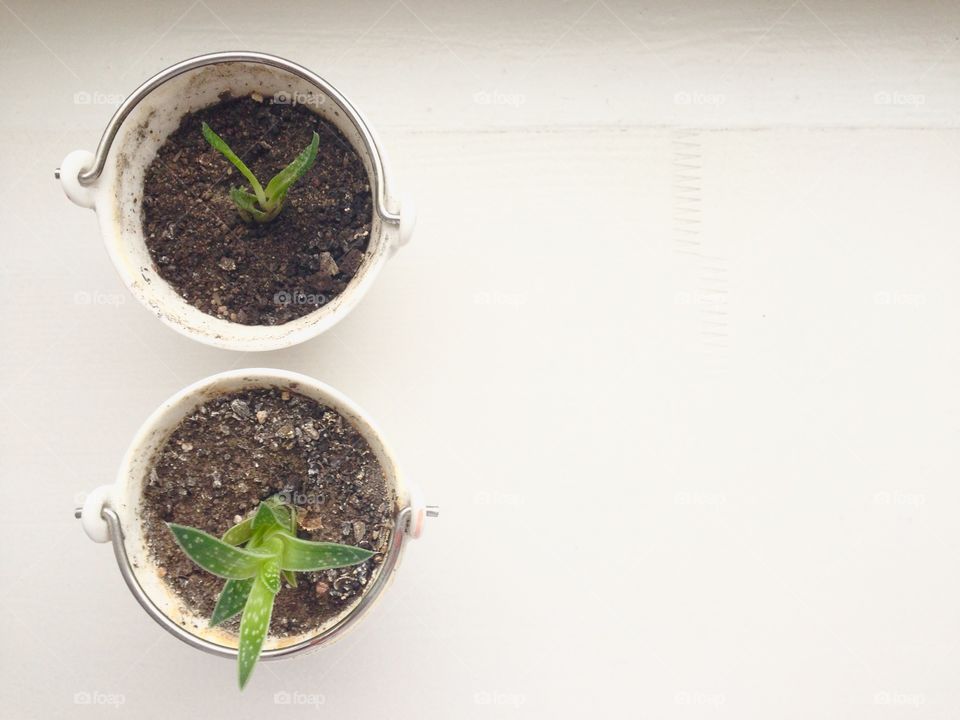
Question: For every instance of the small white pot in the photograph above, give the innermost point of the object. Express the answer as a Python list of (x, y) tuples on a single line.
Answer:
[(111, 182), (113, 512)]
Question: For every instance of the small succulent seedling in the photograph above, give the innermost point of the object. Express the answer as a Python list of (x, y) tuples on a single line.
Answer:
[(263, 204), (251, 557)]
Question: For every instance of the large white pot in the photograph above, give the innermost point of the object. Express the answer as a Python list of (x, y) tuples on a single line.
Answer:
[(111, 182), (113, 512)]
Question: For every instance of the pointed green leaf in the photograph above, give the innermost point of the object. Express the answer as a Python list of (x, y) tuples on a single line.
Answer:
[(239, 533), (231, 601), (277, 187), (270, 575), (214, 555), (286, 514), (267, 518), (306, 555), (253, 628), (218, 143), (291, 578)]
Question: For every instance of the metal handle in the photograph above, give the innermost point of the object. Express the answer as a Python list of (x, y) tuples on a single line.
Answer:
[(126, 570), (89, 175)]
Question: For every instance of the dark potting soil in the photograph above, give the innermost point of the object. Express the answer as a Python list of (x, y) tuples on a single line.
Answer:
[(256, 273), (240, 448)]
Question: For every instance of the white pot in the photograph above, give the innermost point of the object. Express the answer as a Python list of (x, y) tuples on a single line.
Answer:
[(111, 182), (113, 512)]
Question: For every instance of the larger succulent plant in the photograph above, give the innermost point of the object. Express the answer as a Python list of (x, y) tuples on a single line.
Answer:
[(251, 557)]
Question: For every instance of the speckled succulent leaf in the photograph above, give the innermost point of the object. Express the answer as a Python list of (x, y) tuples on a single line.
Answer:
[(269, 574), (267, 518), (278, 185), (304, 555), (239, 533), (231, 601), (286, 514), (214, 555), (253, 628), (218, 143)]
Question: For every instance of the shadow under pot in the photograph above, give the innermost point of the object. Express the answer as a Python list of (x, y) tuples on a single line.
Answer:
[(208, 465), (243, 199)]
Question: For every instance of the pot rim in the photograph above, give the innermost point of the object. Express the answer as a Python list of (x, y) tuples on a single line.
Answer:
[(106, 511), (89, 175)]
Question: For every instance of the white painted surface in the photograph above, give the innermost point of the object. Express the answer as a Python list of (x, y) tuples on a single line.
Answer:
[(719, 484)]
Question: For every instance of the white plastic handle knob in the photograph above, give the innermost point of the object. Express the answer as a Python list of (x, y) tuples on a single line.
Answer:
[(93, 523), (418, 513), (70, 169), (408, 219)]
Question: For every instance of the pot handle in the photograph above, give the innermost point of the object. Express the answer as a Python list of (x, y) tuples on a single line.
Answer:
[(419, 512), (68, 173), (90, 515), (408, 220)]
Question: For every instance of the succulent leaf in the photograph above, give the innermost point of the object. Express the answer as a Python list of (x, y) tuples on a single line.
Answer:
[(267, 518), (247, 205), (270, 575), (286, 514), (216, 556), (231, 601), (253, 628), (305, 555), (239, 533), (278, 185), (221, 146)]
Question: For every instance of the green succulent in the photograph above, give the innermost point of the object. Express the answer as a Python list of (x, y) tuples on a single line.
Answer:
[(251, 557), (263, 204)]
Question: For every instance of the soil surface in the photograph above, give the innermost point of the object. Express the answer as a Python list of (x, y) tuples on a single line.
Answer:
[(256, 273), (240, 448)]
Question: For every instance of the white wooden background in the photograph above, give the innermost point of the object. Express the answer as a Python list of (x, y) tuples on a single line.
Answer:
[(675, 346)]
